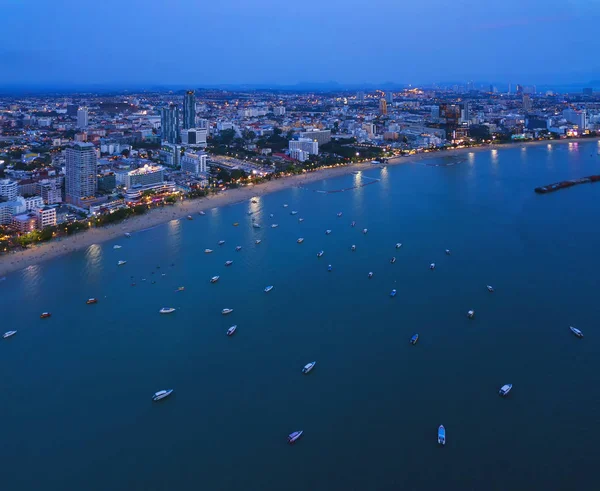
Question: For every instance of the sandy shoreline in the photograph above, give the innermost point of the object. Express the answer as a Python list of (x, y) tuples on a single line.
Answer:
[(49, 250)]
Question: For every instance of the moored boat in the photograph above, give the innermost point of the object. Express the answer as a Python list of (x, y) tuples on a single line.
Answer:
[(231, 330), (309, 366), (128, 235), (236, 224), (370, 274), (180, 289), (201, 213), (471, 314), (256, 225), (90, 301), (327, 232), (353, 248), (414, 339), (190, 217), (293, 212), (285, 205), (162, 394), (120, 263), (576, 331), (300, 240), (505, 389), (8, 334), (221, 242), (320, 253), (398, 245), (257, 241), (275, 225), (226, 311), (393, 293), (238, 248), (117, 247), (300, 220), (339, 214), (432, 266), (214, 279), (353, 224), (207, 251), (293, 437), (268, 288), (393, 260), (490, 288), (228, 263), (447, 252), (365, 230), (167, 310), (442, 435), (330, 268), (45, 315)]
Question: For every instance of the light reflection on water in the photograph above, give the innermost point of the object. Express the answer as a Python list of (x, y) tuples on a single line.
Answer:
[(93, 260), (32, 279), (174, 236)]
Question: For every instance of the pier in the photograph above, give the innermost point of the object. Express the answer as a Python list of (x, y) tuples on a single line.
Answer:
[(550, 188)]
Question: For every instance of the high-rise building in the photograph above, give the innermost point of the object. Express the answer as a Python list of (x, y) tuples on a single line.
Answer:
[(81, 178), (279, 110), (360, 97), (304, 144), (322, 137), (382, 107), (526, 102), (579, 118), (194, 163), (194, 137), (189, 110), (8, 189), (169, 124), (50, 190), (82, 117), (389, 97), (519, 89), (465, 115), (144, 176)]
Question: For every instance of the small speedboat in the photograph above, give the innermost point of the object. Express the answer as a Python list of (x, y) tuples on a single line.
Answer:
[(201, 213), (339, 214), (228, 263), (214, 279), (231, 330), (471, 314), (330, 268), (268, 288), (9, 334), (207, 251), (300, 220), (257, 241), (128, 235), (447, 252), (238, 248), (120, 263), (226, 311), (442, 435), (236, 224), (285, 205), (275, 225), (576, 331), (221, 242), (167, 310), (365, 230), (45, 315), (327, 232), (161, 394), (250, 212), (370, 274), (309, 366), (190, 217), (393, 293), (300, 240), (271, 215), (490, 288), (117, 247), (293, 212), (320, 253), (353, 248), (398, 245), (180, 289), (256, 225), (91, 301), (292, 437), (414, 339), (393, 260), (505, 389), (432, 266), (353, 224)]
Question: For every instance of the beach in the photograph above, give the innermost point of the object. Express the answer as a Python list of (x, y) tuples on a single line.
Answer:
[(22, 259)]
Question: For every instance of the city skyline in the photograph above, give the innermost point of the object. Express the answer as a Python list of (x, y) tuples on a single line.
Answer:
[(312, 43)]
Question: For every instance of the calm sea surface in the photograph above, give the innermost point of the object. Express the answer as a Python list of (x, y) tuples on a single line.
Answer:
[(76, 407)]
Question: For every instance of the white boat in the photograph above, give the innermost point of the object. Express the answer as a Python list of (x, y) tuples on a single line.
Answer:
[(117, 247), (201, 213), (393, 293), (353, 224), (490, 288), (285, 205), (228, 263), (471, 314), (127, 234), (300, 240), (576, 331), (256, 225), (207, 251), (257, 241), (353, 248), (221, 242), (214, 279), (231, 330), (275, 225), (398, 245), (161, 394), (190, 217), (505, 389), (167, 310), (120, 263), (300, 220), (393, 260), (432, 266), (9, 334), (339, 214), (309, 366), (447, 252), (442, 435), (293, 212), (268, 288), (365, 230), (327, 232), (292, 437), (320, 253), (226, 311), (370, 274), (238, 248)]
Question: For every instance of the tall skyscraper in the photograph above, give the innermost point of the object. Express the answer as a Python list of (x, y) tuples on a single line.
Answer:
[(382, 107), (389, 97), (465, 112), (526, 102), (82, 117), (169, 123), (81, 180), (189, 110)]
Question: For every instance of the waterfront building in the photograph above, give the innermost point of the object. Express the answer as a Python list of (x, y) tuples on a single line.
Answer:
[(33, 202), (50, 190), (147, 175), (194, 163), (189, 110), (578, 118), (320, 136), (306, 145), (45, 217), (169, 124), (299, 155), (170, 154), (24, 223), (9, 190), (81, 173), (82, 117), (10, 208), (135, 193)]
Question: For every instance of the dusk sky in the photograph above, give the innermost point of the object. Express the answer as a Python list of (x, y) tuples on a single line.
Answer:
[(205, 42)]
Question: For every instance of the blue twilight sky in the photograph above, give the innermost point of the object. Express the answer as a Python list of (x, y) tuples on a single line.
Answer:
[(204, 42)]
